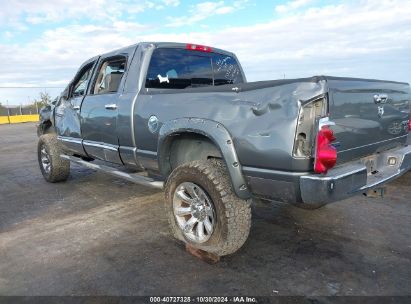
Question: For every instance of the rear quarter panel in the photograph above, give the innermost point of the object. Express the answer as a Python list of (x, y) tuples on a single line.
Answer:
[(261, 118)]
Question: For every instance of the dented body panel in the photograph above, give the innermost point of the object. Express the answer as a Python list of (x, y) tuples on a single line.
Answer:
[(255, 126)]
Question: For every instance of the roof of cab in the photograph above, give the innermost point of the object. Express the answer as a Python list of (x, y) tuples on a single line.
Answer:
[(165, 45), (184, 45), (157, 45)]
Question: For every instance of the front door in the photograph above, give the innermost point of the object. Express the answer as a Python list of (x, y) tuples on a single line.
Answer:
[(99, 111), (67, 112)]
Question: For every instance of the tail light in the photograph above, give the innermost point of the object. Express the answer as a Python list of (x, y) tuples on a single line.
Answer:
[(315, 142), (197, 47), (326, 154), (409, 124), (310, 113)]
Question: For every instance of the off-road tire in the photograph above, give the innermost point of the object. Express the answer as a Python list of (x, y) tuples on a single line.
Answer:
[(233, 215), (59, 167)]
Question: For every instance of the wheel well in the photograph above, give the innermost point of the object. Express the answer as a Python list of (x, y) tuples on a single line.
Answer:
[(45, 127), (186, 147)]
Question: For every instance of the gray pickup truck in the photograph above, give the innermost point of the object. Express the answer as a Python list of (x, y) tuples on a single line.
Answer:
[(183, 118)]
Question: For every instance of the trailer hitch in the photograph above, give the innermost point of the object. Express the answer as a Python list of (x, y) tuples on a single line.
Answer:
[(376, 192)]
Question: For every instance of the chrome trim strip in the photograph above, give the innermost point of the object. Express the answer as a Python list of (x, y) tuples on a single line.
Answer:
[(100, 145), (70, 139), (127, 148), (146, 152)]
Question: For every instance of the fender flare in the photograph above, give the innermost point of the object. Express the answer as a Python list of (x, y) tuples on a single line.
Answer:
[(46, 116), (218, 134)]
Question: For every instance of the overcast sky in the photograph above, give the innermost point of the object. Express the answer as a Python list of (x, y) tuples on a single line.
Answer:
[(43, 42)]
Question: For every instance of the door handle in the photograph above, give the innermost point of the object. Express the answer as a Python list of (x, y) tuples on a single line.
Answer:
[(111, 106), (76, 108)]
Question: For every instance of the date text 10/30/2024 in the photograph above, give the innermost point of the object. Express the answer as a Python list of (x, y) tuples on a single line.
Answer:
[(239, 299)]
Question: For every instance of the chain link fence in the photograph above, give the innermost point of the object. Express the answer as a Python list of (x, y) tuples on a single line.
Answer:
[(19, 110), (16, 114)]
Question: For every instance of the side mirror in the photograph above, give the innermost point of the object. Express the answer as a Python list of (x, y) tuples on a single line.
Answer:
[(66, 93)]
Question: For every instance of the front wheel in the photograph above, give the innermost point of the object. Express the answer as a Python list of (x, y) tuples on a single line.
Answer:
[(52, 166), (203, 210)]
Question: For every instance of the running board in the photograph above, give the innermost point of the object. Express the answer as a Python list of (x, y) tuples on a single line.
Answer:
[(132, 177)]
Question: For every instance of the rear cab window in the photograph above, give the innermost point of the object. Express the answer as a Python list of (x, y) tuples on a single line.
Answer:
[(109, 75), (174, 68), (226, 70)]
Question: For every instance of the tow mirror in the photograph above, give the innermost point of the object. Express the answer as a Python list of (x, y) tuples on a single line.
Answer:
[(65, 94)]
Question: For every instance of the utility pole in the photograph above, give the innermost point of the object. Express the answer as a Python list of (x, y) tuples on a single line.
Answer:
[(8, 110)]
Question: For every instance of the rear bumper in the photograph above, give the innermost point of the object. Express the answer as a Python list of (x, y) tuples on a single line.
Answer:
[(339, 183), (358, 177)]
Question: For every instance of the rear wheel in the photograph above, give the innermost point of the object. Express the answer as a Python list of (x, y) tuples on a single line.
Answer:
[(52, 166), (204, 211)]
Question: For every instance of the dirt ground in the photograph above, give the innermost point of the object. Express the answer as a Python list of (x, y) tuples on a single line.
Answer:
[(98, 235)]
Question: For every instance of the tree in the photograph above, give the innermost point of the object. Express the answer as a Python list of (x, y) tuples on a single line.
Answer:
[(44, 100)]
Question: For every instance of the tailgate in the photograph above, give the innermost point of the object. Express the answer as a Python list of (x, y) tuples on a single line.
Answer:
[(370, 115)]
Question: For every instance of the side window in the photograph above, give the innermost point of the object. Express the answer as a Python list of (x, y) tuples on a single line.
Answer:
[(226, 70), (109, 76), (179, 69), (80, 86)]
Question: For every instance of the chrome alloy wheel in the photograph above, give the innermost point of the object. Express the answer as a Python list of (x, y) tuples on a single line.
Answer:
[(45, 160), (194, 212)]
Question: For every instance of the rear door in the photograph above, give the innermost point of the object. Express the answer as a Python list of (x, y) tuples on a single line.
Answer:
[(370, 115), (99, 109)]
